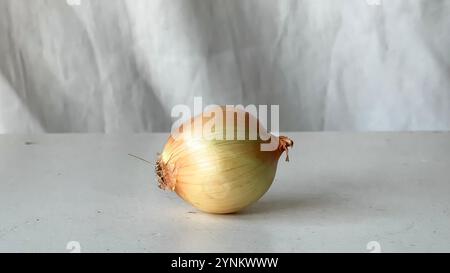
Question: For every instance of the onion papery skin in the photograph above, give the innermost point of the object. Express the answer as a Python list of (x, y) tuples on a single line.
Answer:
[(218, 176)]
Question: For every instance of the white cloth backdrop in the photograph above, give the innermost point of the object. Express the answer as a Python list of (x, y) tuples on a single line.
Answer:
[(120, 66)]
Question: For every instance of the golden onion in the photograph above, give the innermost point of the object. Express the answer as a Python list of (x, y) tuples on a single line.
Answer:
[(217, 175)]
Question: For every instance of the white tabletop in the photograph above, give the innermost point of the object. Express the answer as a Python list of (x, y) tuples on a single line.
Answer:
[(339, 192)]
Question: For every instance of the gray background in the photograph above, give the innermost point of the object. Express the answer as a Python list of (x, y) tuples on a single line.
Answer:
[(120, 66)]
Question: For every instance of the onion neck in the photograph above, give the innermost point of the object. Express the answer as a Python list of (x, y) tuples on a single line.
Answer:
[(284, 144)]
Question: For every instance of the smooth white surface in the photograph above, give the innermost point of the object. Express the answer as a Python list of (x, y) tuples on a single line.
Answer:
[(340, 191)]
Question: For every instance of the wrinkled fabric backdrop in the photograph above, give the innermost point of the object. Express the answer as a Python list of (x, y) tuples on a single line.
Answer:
[(120, 66)]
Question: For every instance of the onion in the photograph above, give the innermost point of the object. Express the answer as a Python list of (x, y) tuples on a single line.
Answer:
[(217, 175)]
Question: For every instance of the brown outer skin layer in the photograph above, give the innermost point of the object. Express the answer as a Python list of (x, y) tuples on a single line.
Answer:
[(165, 166)]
